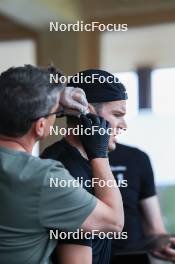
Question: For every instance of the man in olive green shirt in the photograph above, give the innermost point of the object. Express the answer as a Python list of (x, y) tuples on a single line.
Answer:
[(29, 207)]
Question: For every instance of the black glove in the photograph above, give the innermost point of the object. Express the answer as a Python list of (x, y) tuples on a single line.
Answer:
[(95, 144)]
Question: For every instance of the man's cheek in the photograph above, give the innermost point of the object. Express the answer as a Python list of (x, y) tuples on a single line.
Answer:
[(112, 139), (114, 131)]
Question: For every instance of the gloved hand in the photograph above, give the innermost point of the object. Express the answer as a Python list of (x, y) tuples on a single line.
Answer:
[(74, 101), (95, 145)]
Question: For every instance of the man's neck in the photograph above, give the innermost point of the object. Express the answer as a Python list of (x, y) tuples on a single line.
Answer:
[(75, 142), (16, 144)]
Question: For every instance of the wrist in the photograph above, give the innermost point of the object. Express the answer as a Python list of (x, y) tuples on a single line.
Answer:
[(97, 161), (97, 155)]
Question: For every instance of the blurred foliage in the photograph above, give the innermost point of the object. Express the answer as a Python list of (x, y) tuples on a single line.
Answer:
[(167, 202)]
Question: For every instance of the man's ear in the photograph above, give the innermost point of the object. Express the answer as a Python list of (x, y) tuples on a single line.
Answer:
[(91, 109), (39, 127)]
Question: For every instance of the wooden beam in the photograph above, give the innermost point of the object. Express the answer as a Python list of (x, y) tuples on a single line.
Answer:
[(140, 19), (11, 30), (89, 50), (144, 81)]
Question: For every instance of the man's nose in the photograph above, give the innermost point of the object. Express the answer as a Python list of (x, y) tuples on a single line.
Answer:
[(123, 124)]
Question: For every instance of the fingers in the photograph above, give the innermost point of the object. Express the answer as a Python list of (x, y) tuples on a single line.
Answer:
[(98, 121), (86, 122), (78, 99), (74, 98), (79, 102), (94, 118), (159, 255), (170, 251), (90, 120), (80, 96), (104, 122), (172, 239), (167, 253)]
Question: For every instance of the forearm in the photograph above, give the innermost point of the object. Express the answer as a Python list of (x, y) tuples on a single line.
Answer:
[(110, 193), (108, 214), (74, 254), (153, 225), (152, 217)]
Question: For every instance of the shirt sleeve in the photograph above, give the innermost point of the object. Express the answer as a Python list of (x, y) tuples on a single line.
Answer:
[(64, 206), (83, 242), (148, 188)]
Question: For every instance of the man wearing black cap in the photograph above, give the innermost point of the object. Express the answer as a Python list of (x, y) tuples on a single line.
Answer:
[(106, 96)]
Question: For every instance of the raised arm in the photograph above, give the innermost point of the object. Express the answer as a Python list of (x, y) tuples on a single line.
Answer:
[(108, 214)]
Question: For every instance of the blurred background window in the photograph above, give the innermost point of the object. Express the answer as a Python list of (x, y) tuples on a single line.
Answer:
[(17, 53), (130, 80), (163, 92)]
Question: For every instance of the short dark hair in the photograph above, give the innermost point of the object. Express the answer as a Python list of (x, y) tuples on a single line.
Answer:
[(25, 94)]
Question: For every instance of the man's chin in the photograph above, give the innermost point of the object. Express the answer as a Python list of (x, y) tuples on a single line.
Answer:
[(112, 147)]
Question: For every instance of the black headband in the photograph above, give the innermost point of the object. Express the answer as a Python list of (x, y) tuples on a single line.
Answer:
[(99, 86)]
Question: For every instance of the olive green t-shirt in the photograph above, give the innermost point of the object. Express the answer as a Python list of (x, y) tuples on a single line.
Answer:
[(30, 207)]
